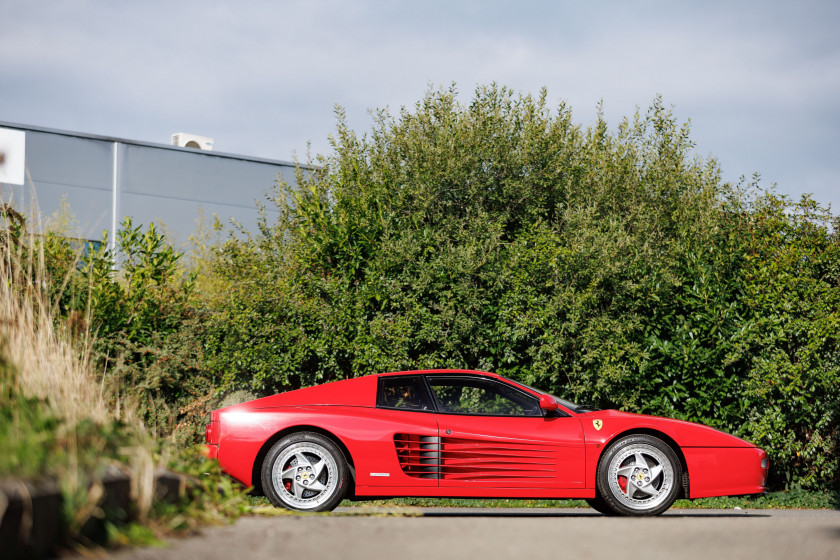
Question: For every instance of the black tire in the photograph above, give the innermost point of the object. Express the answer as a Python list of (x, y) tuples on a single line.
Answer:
[(598, 504), (305, 471), (638, 475)]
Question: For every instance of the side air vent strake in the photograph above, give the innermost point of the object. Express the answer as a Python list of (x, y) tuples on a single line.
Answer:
[(467, 459)]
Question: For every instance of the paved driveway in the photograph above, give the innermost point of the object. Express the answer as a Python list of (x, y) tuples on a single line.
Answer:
[(486, 534)]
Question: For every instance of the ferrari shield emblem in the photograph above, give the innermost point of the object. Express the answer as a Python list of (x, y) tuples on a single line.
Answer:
[(598, 424)]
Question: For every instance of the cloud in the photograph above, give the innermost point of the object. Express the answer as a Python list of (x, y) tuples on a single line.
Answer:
[(759, 80)]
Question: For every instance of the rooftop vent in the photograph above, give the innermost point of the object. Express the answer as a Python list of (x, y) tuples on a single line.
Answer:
[(185, 140)]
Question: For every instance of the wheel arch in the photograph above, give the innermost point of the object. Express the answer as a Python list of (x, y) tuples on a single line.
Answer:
[(256, 469), (684, 483)]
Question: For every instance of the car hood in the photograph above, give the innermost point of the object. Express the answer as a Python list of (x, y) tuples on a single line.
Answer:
[(603, 425)]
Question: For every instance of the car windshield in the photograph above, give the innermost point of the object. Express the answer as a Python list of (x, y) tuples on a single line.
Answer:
[(568, 404)]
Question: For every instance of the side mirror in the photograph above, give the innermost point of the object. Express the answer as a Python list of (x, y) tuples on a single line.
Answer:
[(548, 403)]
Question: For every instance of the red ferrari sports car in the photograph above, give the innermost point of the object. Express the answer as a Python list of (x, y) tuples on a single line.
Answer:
[(471, 434)]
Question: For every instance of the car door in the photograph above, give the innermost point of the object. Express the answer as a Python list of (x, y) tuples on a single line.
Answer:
[(400, 445), (494, 435)]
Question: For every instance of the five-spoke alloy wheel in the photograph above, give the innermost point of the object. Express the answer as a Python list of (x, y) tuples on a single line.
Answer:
[(305, 471), (639, 475)]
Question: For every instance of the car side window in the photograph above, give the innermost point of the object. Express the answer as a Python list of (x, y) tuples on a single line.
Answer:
[(403, 392), (472, 395)]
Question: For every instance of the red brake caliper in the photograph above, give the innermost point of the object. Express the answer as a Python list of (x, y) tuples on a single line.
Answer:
[(288, 483), (622, 483)]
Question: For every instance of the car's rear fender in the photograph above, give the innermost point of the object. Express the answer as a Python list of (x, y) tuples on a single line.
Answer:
[(256, 472)]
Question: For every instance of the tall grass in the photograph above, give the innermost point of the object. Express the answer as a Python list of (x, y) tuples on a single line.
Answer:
[(51, 366), (63, 416)]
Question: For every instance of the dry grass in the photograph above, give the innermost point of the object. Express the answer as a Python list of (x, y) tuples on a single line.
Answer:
[(51, 389), (55, 364), (50, 366)]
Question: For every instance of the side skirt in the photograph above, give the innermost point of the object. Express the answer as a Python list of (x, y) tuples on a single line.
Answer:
[(487, 493)]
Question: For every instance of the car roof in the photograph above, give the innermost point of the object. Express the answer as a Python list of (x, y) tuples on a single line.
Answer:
[(357, 391), (441, 371)]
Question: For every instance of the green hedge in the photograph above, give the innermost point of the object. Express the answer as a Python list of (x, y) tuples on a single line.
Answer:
[(611, 266)]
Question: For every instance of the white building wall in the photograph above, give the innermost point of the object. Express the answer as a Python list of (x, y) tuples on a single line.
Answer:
[(105, 179)]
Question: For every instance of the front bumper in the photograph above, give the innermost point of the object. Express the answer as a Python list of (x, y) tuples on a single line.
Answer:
[(726, 471)]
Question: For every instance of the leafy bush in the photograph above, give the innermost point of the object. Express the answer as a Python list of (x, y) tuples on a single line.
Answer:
[(492, 236), (58, 419), (128, 310), (140, 310), (136, 290), (611, 267), (792, 296)]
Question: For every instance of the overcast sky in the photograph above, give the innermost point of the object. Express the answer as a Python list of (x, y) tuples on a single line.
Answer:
[(759, 80)]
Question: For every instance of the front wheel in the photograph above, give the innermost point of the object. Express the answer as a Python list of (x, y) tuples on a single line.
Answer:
[(638, 475), (597, 503), (305, 472)]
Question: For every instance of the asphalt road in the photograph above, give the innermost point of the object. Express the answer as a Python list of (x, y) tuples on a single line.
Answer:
[(487, 534)]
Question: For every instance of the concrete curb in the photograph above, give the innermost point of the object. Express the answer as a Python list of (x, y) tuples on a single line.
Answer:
[(32, 522)]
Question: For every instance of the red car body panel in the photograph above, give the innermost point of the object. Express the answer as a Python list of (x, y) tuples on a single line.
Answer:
[(730, 471), (350, 392), (483, 456)]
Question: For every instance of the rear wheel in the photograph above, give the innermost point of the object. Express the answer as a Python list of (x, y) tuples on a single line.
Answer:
[(306, 472), (638, 475)]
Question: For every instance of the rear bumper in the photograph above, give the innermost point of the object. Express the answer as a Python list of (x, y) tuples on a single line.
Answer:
[(212, 451), (726, 471)]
